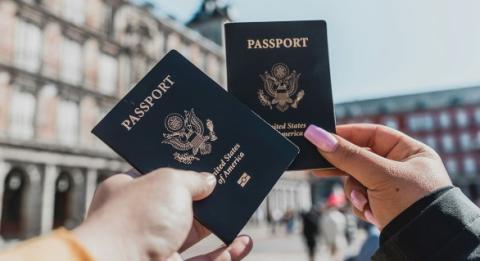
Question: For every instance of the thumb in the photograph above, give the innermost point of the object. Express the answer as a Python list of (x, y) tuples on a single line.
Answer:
[(364, 165), (199, 184), (239, 249)]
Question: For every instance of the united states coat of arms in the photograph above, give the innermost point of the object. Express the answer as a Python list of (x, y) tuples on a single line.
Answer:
[(280, 88), (186, 134)]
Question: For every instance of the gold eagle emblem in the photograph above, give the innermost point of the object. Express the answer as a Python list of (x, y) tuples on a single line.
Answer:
[(280, 87), (186, 134)]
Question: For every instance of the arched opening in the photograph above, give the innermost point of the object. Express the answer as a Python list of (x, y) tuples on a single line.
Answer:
[(62, 216), (13, 210)]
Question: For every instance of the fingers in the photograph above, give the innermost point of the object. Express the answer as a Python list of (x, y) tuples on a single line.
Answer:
[(238, 250), (174, 257), (106, 188), (383, 140), (371, 218), (329, 173), (114, 182), (200, 185), (366, 166), (357, 194), (197, 233)]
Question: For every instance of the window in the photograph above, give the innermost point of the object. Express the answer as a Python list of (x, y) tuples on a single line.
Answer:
[(28, 42), (444, 119), (182, 47), (420, 122), (22, 115), (125, 75), (465, 141), (428, 122), (74, 10), (159, 41), (469, 166), (108, 76), (452, 166), (391, 122), (107, 18), (412, 123), (477, 141), (67, 120), (72, 68), (447, 143), (431, 141), (462, 118), (477, 116), (213, 67), (173, 41)]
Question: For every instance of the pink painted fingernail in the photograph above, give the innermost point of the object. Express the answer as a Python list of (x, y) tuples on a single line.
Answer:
[(370, 218), (358, 200), (321, 138)]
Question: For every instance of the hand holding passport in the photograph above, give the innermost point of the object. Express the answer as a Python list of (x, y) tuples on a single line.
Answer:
[(150, 218), (177, 117)]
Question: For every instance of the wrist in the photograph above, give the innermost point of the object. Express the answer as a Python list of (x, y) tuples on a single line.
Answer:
[(410, 213), (104, 243)]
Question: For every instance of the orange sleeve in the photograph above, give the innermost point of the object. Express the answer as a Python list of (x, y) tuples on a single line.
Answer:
[(61, 245)]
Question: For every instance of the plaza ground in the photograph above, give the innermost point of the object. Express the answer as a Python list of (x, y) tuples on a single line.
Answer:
[(268, 247)]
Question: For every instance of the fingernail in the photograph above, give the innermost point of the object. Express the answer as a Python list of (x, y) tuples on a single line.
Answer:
[(358, 200), (240, 247), (321, 138), (244, 239), (211, 179), (370, 218)]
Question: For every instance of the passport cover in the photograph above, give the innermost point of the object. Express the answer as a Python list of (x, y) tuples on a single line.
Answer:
[(177, 117), (281, 71)]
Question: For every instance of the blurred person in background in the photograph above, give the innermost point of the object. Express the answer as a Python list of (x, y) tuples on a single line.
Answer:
[(401, 185), (351, 227), (310, 230), (370, 246), (289, 220), (118, 228), (333, 226), (276, 219)]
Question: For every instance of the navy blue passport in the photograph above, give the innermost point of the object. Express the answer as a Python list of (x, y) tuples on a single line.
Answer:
[(177, 117), (281, 71)]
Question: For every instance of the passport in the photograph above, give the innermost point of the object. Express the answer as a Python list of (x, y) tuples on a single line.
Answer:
[(178, 117), (281, 71)]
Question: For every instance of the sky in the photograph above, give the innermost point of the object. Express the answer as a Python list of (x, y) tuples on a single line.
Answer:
[(379, 47)]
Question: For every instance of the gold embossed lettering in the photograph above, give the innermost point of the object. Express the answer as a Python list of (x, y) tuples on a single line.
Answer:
[(149, 101), (273, 43)]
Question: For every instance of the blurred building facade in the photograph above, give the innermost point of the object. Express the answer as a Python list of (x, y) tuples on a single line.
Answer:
[(448, 121), (209, 20), (63, 65)]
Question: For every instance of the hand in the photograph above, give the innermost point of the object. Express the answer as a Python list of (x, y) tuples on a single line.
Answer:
[(150, 218), (386, 170)]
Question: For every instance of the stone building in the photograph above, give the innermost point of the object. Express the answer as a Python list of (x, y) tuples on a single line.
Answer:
[(63, 65), (447, 120), (209, 19)]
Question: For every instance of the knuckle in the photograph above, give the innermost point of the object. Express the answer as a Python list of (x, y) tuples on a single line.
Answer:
[(165, 175), (349, 152), (108, 185)]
